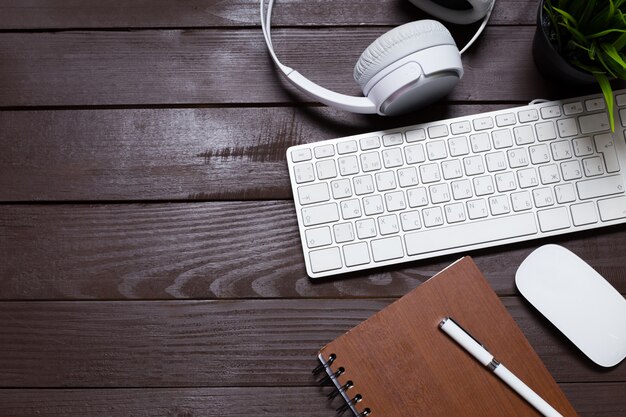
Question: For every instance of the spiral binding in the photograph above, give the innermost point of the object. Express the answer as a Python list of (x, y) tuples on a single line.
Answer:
[(331, 378)]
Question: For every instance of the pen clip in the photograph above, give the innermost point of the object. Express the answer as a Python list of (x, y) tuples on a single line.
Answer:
[(443, 321)]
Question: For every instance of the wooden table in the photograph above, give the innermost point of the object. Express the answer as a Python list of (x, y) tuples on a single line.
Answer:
[(150, 262)]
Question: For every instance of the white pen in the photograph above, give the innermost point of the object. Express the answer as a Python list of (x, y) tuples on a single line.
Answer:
[(478, 351)]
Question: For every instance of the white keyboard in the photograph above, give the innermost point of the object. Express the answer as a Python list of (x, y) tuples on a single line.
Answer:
[(454, 185)]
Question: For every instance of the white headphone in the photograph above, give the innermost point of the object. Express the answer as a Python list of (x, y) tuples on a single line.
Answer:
[(406, 68)]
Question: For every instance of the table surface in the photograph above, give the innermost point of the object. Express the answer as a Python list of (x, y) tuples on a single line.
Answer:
[(150, 261)]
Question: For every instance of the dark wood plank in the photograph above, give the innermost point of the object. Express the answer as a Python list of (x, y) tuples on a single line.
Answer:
[(63, 14), (211, 343), (231, 66), (219, 250), (170, 154), (589, 400)]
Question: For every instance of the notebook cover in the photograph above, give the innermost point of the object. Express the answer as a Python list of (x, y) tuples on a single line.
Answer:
[(403, 365)]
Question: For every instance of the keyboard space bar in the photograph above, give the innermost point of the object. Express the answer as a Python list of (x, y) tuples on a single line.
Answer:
[(471, 233)]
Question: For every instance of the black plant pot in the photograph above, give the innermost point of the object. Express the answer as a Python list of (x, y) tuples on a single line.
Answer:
[(548, 60)]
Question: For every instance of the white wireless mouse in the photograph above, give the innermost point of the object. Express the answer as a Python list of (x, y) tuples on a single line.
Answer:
[(577, 300)]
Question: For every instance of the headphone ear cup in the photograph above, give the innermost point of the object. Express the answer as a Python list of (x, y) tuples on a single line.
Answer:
[(408, 67), (398, 43)]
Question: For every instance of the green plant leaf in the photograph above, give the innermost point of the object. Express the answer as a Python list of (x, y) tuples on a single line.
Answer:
[(607, 91), (568, 17), (606, 32), (620, 42), (613, 54)]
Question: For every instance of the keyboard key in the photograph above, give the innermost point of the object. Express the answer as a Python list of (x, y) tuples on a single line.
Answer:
[(620, 99), (392, 139), (565, 193), (300, 155), (549, 174), (506, 181), (584, 213), (593, 123), (524, 135), (366, 228), (341, 188), (543, 197), (348, 165), (432, 216), (517, 157), (363, 184), (303, 173), (521, 201), (483, 123), (595, 104), (438, 131), (506, 119), (474, 165), (550, 112), (455, 213), (561, 150), (430, 173), (346, 147), (392, 157), (356, 254), (460, 127), (439, 193), (436, 150), (416, 135), (606, 146), (480, 142), (350, 209), (414, 154), (325, 259), (502, 138), (545, 131), (371, 142), (527, 177), (477, 209), (385, 180), (567, 127), (387, 248), (499, 204), (324, 213), (324, 151), (458, 146), (583, 146), (483, 185), (407, 177), (343, 232), (600, 187), (417, 197), (314, 193), (373, 204), (572, 108), (451, 169), (593, 166), (410, 220), (539, 154), (326, 169), (529, 115), (395, 201), (318, 237), (553, 219), (388, 224), (467, 234), (612, 208), (370, 161), (462, 189)]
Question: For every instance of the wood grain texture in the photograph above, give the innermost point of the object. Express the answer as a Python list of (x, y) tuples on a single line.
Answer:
[(219, 250), (211, 343), (590, 400), (217, 67), (171, 154), (63, 14)]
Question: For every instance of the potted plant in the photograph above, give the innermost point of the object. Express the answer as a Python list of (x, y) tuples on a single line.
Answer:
[(581, 42)]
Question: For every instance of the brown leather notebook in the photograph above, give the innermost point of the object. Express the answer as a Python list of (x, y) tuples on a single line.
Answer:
[(398, 363)]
